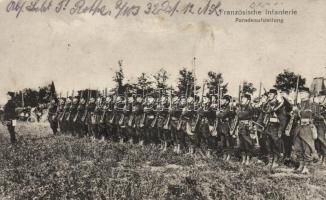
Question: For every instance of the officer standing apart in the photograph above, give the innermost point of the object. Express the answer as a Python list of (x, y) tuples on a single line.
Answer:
[(10, 117)]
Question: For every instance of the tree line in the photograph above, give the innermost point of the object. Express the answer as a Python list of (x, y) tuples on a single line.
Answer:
[(148, 83)]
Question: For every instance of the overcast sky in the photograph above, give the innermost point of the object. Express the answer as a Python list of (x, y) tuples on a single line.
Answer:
[(83, 51)]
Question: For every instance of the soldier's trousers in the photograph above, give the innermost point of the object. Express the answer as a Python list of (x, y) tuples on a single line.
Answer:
[(54, 126), (246, 143), (12, 134), (272, 142), (81, 129)]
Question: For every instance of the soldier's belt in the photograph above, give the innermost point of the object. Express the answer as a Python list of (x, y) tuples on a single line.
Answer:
[(305, 121), (273, 120), (150, 117), (244, 122)]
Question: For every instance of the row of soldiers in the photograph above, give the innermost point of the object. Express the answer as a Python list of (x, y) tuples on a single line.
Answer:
[(270, 126)]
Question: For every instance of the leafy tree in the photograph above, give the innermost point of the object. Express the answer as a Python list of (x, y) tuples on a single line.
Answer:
[(160, 78), (119, 77), (144, 84), (215, 80), (186, 83), (287, 81), (248, 88)]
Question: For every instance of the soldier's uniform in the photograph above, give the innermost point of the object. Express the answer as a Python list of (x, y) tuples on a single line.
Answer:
[(206, 117), (175, 113), (149, 114), (319, 114), (60, 113), (224, 117), (66, 128), (163, 112), (180, 133), (79, 120), (118, 118), (128, 124), (135, 120), (305, 134), (106, 117), (90, 117), (10, 119), (72, 115), (52, 115), (274, 132), (245, 115)]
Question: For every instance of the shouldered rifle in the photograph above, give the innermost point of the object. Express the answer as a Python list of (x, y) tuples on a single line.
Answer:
[(195, 127), (290, 124), (167, 123)]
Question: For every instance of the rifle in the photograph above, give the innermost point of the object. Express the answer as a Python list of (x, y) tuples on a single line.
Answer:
[(154, 122), (83, 119), (290, 124), (78, 111), (195, 127), (167, 123), (121, 121)]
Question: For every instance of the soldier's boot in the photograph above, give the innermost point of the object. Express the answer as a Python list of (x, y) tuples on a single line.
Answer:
[(228, 157), (300, 168), (303, 169), (131, 141), (275, 161), (247, 160), (178, 149), (191, 150), (175, 148), (224, 156), (243, 159), (141, 142), (208, 153), (121, 141), (323, 161), (165, 145)]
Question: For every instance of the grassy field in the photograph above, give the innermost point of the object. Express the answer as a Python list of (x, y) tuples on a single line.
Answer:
[(43, 166)]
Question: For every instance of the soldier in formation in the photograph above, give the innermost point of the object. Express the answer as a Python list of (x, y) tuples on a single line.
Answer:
[(200, 125)]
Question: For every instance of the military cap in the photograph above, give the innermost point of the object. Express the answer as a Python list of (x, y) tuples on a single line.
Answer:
[(273, 91), (227, 97), (247, 96)]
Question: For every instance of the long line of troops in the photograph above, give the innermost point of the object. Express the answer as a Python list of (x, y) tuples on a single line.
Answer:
[(270, 126)]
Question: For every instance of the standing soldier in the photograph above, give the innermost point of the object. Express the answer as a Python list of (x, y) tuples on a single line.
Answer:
[(52, 115), (72, 115), (278, 111), (149, 116), (106, 116), (128, 122), (162, 117), (10, 117), (305, 133), (90, 117), (320, 123), (118, 118), (81, 127), (60, 114), (206, 116), (244, 116), (173, 124), (137, 112), (65, 116), (224, 117), (180, 132)]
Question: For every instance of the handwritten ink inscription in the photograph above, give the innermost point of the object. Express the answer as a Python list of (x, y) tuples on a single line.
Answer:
[(115, 8)]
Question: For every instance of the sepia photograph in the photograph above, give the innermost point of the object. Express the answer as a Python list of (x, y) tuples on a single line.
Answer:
[(162, 99)]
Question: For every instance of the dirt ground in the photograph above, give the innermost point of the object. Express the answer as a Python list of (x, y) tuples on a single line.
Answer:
[(43, 166)]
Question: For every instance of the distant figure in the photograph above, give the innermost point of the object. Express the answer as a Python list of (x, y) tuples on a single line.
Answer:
[(10, 117)]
